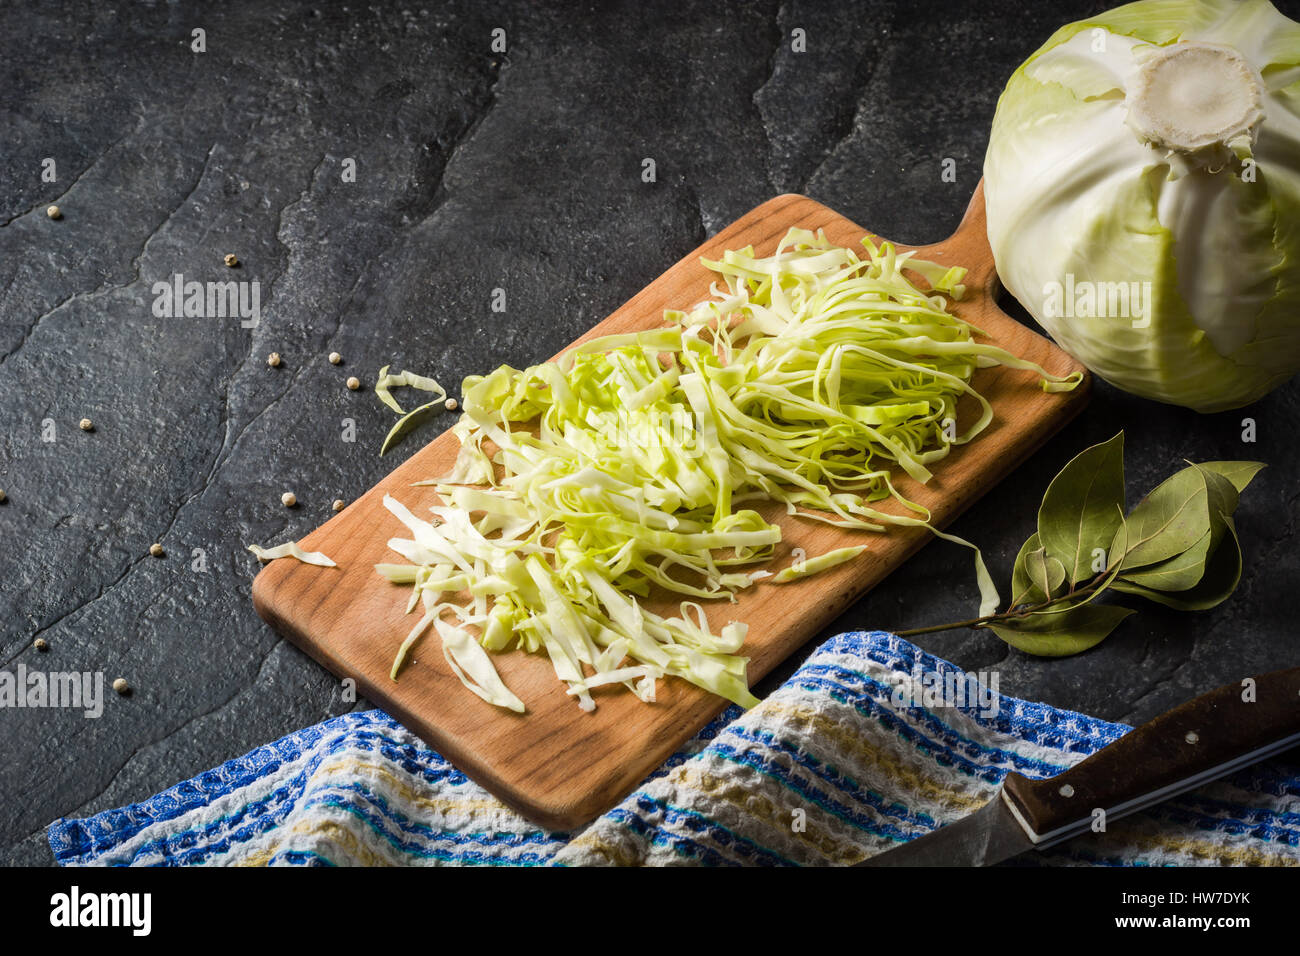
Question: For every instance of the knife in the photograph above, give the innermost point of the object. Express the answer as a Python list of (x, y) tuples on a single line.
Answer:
[(1196, 742)]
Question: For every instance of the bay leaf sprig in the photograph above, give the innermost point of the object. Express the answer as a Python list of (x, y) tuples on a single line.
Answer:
[(1177, 547)]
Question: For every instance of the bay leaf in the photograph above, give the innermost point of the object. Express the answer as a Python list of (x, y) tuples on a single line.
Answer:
[(1173, 518), (1055, 575), (1068, 600), (1222, 495), (1180, 572), (1023, 590), (1220, 579), (1036, 568), (1240, 473), (1184, 571), (1083, 507), (1026, 590), (1060, 635)]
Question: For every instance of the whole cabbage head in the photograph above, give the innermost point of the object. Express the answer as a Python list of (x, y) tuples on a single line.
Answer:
[(1143, 191)]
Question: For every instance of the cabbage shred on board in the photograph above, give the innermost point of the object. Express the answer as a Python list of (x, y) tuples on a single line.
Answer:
[(634, 461)]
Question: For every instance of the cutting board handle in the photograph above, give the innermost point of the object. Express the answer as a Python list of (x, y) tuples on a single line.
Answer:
[(969, 246)]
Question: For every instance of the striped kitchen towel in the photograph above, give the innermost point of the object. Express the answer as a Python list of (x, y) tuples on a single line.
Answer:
[(870, 743)]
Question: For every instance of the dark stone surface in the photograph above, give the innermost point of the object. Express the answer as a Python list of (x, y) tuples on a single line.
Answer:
[(475, 171)]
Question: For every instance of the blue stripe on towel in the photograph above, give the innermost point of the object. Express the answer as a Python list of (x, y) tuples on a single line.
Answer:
[(215, 818)]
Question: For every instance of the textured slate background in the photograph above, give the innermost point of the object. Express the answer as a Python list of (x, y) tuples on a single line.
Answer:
[(474, 171)]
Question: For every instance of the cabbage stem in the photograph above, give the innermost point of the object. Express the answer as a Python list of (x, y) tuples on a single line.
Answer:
[(1197, 99)]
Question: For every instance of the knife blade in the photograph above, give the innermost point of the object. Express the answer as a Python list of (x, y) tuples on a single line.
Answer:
[(1198, 741)]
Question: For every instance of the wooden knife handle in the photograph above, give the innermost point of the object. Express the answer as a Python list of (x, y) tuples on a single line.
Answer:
[(1196, 742)]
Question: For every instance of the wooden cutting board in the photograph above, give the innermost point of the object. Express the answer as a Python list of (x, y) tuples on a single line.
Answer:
[(556, 764)]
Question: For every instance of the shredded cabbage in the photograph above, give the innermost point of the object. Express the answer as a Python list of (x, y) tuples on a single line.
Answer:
[(387, 381), (291, 549), (818, 564), (628, 464)]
